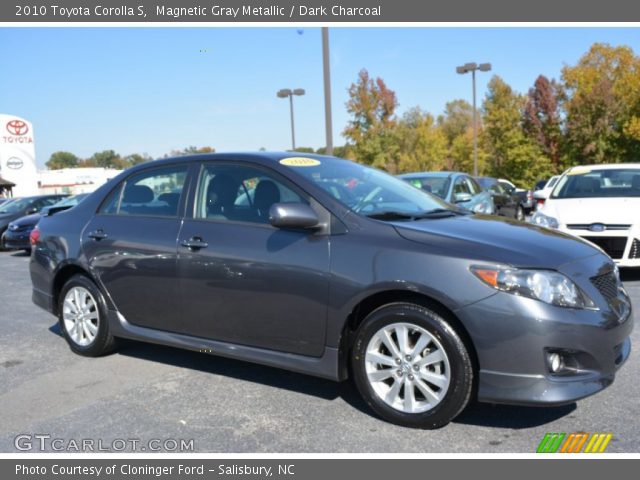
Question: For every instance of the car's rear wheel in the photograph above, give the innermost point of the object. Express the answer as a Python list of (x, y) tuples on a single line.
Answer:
[(82, 318), (520, 214), (411, 366)]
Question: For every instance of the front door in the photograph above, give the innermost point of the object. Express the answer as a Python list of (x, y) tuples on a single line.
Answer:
[(244, 281)]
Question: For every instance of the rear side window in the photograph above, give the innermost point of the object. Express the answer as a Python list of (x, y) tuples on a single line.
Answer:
[(153, 193)]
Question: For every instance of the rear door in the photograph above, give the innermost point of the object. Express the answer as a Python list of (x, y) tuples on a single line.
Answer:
[(242, 280), (130, 245)]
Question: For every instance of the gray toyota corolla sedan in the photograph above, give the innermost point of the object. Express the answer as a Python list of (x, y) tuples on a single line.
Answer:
[(323, 266)]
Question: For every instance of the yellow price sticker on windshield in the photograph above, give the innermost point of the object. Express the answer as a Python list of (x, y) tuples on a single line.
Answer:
[(579, 171), (300, 162)]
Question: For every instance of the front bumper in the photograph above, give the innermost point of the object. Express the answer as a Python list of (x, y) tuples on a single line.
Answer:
[(622, 245), (13, 240), (512, 336)]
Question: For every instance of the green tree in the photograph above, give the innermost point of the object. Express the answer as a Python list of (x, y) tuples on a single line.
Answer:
[(60, 160), (603, 105), (457, 119), (461, 153), (421, 144), (135, 159), (513, 154), (369, 133), (104, 159)]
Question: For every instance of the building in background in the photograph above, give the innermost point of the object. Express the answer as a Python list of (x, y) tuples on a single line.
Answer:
[(73, 180), (17, 157)]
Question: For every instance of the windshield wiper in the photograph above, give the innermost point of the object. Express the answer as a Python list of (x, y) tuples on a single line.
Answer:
[(392, 215), (395, 215)]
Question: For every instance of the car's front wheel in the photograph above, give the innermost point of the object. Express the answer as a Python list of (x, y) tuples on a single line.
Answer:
[(82, 318), (411, 366)]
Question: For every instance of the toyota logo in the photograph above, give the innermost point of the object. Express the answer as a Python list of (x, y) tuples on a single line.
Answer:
[(597, 227), (17, 127)]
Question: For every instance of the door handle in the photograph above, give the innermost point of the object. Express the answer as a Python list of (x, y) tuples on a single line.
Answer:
[(194, 243), (98, 235)]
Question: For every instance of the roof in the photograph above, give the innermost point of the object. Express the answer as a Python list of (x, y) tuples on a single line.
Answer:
[(606, 166), (264, 157), (6, 183)]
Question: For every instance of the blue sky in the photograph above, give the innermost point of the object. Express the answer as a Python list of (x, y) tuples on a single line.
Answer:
[(153, 90)]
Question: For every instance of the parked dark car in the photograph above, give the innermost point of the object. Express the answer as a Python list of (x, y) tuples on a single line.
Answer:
[(540, 184), (19, 207), (506, 204), (16, 236), (255, 257), (525, 196), (453, 187)]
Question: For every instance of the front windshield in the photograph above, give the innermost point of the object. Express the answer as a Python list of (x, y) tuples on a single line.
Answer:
[(365, 190), (14, 206), (598, 183)]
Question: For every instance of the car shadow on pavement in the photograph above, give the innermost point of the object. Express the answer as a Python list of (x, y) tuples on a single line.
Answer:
[(479, 414), (20, 253), (510, 416)]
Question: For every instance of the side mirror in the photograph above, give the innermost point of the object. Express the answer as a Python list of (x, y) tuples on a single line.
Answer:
[(293, 215), (32, 210), (462, 197)]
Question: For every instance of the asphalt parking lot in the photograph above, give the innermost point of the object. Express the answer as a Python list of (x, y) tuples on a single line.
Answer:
[(150, 392)]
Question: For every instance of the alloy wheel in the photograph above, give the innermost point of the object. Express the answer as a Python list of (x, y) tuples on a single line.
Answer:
[(407, 367), (80, 315)]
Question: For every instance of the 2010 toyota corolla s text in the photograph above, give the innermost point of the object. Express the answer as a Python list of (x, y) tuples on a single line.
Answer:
[(323, 266)]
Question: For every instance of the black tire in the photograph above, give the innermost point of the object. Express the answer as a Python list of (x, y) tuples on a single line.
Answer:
[(103, 342), (520, 214), (461, 368)]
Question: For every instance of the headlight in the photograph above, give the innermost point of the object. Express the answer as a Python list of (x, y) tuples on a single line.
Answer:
[(543, 220), (544, 285)]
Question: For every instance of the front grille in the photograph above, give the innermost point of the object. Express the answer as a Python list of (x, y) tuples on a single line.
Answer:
[(613, 246), (635, 249), (607, 285), (609, 226)]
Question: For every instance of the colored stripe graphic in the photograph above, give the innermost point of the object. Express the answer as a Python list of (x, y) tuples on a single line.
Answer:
[(557, 442), (550, 443), (598, 443), (574, 443)]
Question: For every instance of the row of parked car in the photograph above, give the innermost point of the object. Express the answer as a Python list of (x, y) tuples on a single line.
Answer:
[(598, 203), (19, 216), (491, 196)]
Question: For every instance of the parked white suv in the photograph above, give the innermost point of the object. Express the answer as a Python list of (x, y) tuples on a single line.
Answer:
[(601, 204)]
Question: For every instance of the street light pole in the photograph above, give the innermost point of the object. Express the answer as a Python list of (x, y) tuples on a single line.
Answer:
[(287, 92), (475, 126), (293, 128), (466, 68), (327, 90)]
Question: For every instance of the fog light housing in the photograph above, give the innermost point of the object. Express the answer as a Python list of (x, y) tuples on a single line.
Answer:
[(555, 362)]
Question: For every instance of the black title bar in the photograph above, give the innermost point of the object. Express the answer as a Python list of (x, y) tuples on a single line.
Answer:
[(300, 11)]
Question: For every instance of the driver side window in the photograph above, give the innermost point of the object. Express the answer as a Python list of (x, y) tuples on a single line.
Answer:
[(239, 193)]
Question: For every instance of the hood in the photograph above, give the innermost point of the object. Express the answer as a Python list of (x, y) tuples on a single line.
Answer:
[(5, 218), (498, 240), (28, 221), (620, 210)]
